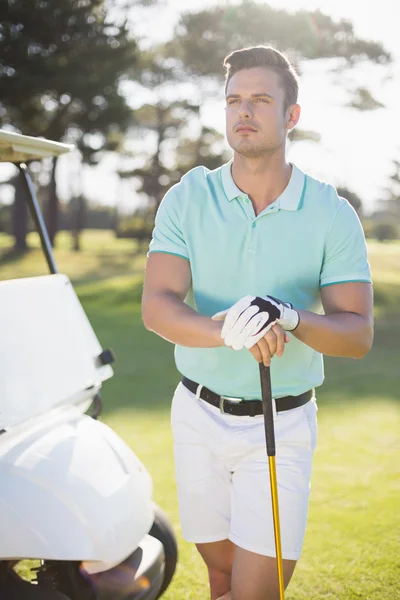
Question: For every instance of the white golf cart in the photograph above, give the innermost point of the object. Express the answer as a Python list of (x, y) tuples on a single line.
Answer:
[(73, 495)]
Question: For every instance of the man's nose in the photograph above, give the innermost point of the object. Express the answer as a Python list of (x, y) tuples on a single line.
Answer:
[(245, 111)]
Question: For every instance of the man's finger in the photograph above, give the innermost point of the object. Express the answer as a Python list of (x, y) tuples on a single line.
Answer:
[(272, 340), (279, 338), (255, 350), (264, 350)]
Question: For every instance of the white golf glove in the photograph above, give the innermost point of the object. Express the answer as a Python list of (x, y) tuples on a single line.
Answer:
[(247, 321)]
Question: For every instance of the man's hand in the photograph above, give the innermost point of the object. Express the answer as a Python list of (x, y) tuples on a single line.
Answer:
[(272, 343), (249, 319)]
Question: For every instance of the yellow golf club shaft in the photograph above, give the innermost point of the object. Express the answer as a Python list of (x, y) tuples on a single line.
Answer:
[(277, 527)]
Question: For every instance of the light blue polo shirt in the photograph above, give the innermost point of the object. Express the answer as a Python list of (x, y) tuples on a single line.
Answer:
[(308, 238)]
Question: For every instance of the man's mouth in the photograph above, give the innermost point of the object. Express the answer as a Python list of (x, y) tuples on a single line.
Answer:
[(244, 129)]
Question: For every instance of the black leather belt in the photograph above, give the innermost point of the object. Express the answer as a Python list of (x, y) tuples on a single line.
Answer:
[(249, 408)]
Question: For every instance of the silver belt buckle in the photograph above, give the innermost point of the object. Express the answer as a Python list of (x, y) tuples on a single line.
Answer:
[(230, 399)]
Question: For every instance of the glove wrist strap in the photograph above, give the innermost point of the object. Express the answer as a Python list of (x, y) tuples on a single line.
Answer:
[(290, 319)]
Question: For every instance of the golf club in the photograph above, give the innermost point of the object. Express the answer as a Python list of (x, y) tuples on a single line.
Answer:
[(266, 394)]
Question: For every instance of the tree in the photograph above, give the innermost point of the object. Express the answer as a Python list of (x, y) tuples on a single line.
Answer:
[(207, 150), (363, 100), (173, 150), (165, 121), (60, 66), (78, 217), (385, 231), (203, 39), (19, 216), (156, 176), (393, 199)]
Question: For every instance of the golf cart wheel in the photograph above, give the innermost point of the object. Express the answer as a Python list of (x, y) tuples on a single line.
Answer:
[(162, 531)]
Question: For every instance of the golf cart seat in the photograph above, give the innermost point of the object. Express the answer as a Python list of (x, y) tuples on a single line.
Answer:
[(49, 353)]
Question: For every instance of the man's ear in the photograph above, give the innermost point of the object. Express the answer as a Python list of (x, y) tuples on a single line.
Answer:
[(293, 116)]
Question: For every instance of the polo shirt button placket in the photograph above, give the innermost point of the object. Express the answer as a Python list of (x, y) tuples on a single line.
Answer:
[(251, 248)]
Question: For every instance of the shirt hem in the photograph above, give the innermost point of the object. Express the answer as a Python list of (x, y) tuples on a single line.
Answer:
[(167, 252), (345, 281)]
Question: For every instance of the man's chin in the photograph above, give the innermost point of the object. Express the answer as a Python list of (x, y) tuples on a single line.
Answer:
[(250, 152)]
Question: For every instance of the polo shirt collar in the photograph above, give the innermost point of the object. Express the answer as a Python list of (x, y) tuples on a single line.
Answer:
[(288, 200)]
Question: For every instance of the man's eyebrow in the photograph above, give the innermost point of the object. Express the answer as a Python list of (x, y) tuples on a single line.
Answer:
[(261, 95), (258, 95)]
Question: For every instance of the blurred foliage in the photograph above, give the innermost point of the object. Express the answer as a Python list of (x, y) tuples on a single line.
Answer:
[(203, 39), (386, 219), (93, 216), (392, 202), (363, 100), (303, 135), (166, 121), (176, 150), (352, 198), (385, 231), (60, 66), (59, 69)]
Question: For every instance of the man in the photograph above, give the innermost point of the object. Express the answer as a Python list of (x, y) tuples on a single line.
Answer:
[(230, 243)]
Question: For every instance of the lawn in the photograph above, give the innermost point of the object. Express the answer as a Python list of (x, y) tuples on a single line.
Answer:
[(352, 547)]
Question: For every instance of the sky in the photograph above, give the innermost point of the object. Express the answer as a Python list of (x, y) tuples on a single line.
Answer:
[(356, 148)]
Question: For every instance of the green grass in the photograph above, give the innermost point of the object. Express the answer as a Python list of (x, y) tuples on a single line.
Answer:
[(351, 549)]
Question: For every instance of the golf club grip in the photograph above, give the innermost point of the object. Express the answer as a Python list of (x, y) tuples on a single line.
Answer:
[(266, 395)]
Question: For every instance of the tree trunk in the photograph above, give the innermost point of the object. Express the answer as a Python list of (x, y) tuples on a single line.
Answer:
[(53, 205), (78, 221), (20, 217)]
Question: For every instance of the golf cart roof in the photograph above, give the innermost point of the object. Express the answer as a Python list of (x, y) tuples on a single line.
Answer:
[(18, 148)]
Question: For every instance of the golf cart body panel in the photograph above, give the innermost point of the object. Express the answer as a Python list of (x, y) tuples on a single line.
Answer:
[(72, 492)]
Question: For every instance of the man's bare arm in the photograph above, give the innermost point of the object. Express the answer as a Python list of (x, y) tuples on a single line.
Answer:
[(167, 282), (346, 328)]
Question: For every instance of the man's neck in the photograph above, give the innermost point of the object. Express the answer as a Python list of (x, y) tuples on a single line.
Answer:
[(262, 179)]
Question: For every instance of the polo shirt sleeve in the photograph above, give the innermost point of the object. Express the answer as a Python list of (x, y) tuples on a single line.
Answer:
[(167, 235), (345, 258)]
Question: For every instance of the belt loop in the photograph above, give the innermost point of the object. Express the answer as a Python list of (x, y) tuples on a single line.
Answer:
[(252, 410), (198, 391)]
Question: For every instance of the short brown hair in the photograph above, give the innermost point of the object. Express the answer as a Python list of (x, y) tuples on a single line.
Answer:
[(268, 57)]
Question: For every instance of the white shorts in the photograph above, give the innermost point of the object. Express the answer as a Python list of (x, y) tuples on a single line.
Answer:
[(222, 474)]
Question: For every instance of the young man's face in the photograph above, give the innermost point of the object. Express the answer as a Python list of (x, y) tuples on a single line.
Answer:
[(256, 122)]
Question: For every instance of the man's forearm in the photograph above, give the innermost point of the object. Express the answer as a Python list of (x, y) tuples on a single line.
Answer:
[(169, 317), (341, 334)]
